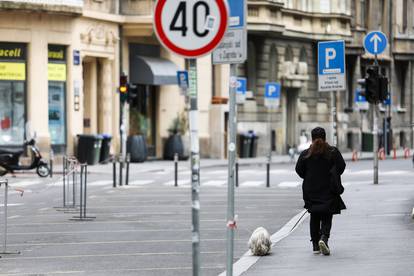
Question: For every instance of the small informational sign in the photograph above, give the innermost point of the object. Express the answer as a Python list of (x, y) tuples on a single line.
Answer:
[(375, 42), (272, 95), (182, 78), (233, 47), (241, 88), (360, 101), (76, 57), (190, 28), (331, 66)]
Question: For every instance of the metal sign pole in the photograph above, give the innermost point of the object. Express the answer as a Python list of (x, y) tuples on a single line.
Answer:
[(195, 166), (375, 135), (334, 120), (6, 192), (231, 169)]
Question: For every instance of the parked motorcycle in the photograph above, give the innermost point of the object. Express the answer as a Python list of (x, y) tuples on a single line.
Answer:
[(9, 160)]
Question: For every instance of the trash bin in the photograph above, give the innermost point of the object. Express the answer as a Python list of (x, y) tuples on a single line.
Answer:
[(245, 144), (89, 148), (253, 146), (105, 148)]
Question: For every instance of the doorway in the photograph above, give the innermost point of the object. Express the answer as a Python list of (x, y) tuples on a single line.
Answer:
[(291, 117), (143, 115)]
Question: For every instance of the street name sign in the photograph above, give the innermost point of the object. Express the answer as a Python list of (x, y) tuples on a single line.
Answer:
[(190, 28), (241, 88), (375, 42), (272, 94), (331, 66), (233, 48)]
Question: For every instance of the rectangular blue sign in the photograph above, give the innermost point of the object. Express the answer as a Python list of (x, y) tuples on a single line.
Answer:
[(237, 13), (358, 97), (241, 86), (272, 90), (182, 79), (331, 66)]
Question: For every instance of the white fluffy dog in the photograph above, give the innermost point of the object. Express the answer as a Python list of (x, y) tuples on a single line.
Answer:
[(260, 243)]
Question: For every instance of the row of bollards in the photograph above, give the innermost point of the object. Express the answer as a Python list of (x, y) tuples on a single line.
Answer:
[(74, 173), (122, 164)]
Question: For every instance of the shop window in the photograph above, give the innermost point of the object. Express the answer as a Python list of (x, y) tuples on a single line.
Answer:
[(57, 96), (12, 94)]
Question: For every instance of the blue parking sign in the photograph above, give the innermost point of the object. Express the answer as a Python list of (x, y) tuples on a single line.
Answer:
[(331, 65), (241, 88), (272, 94)]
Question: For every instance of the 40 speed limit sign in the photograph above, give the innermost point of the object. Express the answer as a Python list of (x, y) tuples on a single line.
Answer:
[(190, 28)]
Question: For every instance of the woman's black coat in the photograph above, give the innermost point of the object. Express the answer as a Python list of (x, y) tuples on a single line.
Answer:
[(320, 190)]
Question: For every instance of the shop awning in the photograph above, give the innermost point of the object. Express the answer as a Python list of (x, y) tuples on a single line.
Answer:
[(153, 71)]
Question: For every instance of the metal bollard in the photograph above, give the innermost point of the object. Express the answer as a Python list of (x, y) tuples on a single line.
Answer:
[(83, 194), (121, 168), (6, 192), (269, 160), (114, 171), (128, 159), (51, 157), (175, 169), (64, 180)]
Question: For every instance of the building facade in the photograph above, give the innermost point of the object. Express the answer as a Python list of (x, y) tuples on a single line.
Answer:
[(60, 63)]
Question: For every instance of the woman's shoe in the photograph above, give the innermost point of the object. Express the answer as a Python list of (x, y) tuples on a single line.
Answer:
[(323, 245)]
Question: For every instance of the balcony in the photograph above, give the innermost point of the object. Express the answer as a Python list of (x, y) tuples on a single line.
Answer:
[(55, 6)]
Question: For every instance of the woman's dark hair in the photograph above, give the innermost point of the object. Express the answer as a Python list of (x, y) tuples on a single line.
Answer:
[(319, 145)]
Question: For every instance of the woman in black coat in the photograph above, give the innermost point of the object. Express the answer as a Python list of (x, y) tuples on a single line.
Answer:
[(321, 166)]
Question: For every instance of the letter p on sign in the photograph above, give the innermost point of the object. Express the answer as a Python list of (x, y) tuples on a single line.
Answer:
[(330, 55)]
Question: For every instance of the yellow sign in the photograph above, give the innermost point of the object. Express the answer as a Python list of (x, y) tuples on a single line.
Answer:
[(12, 71), (56, 72)]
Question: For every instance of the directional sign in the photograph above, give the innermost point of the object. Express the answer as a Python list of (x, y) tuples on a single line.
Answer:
[(375, 42), (182, 78), (190, 28), (331, 65), (233, 48), (272, 94), (241, 88), (360, 101)]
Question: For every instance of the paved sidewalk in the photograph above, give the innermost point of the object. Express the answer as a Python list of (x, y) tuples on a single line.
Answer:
[(162, 165), (373, 237)]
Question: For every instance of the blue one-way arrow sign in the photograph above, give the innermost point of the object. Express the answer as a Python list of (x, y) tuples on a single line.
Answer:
[(375, 42)]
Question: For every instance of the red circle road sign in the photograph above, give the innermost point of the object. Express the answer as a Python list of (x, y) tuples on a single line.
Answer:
[(190, 28)]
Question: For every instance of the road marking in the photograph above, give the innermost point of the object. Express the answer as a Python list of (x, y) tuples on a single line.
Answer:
[(248, 260), (348, 183), (216, 172), (13, 217), (283, 172), (12, 204), (141, 182), (100, 183), (109, 255), (25, 183), (289, 184), (180, 183), (252, 183), (214, 183)]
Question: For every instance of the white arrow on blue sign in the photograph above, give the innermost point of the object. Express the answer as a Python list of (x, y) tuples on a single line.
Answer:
[(241, 88), (331, 65), (272, 94), (375, 42)]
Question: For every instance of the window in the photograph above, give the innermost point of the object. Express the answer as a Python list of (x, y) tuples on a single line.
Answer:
[(303, 57), (363, 13), (273, 64), (401, 68), (325, 6), (289, 54), (251, 67), (405, 15)]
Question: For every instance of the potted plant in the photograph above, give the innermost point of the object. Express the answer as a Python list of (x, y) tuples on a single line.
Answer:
[(136, 142), (176, 141)]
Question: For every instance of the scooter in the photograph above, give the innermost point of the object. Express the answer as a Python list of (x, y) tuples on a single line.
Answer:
[(9, 160)]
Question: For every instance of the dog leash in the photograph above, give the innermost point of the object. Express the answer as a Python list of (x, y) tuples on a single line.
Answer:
[(304, 213)]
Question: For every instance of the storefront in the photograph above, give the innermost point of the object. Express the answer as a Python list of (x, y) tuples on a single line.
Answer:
[(12, 94), (57, 96)]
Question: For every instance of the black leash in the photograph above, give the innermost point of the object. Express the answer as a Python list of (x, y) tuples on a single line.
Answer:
[(304, 213)]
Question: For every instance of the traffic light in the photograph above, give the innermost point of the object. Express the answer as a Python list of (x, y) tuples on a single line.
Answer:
[(372, 85), (132, 93), (383, 88), (123, 88)]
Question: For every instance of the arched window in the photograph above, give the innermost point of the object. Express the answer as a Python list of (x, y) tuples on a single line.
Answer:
[(251, 66), (303, 55), (289, 54), (273, 63)]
